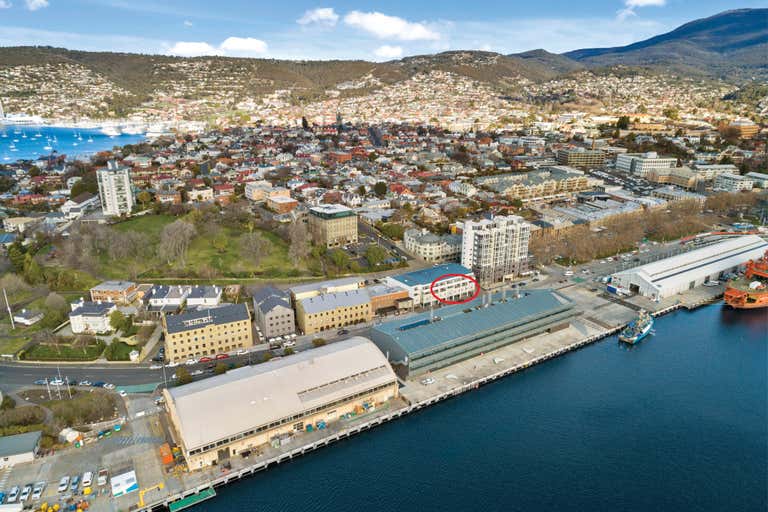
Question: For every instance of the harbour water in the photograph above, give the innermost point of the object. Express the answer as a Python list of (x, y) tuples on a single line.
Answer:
[(32, 142), (677, 422)]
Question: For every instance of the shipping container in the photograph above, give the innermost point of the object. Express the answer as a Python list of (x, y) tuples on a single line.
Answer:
[(166, 456)]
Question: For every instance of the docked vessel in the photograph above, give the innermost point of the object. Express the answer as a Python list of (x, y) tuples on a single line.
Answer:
[(637, 329), (751, 290)]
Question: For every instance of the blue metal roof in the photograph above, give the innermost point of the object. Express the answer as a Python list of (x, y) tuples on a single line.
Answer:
[(428, 275), (417, 334)]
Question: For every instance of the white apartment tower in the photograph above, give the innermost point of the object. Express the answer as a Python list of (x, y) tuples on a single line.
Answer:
[(495, 249), (115, 191)]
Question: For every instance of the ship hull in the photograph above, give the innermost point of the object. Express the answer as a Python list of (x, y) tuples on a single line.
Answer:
[(636, 338)]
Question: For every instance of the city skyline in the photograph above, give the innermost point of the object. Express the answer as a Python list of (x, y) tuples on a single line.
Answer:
[(339, 30)]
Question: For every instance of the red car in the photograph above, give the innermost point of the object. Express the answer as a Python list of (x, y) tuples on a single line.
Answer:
[(205, 359), (222, 356)]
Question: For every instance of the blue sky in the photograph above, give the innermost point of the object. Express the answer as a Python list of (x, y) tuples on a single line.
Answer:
[(341, 29)]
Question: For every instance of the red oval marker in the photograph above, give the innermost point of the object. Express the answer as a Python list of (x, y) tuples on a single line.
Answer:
[(453, 302)]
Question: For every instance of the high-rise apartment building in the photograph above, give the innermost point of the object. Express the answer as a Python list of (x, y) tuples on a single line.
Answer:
[(115, 191), (495, 249)]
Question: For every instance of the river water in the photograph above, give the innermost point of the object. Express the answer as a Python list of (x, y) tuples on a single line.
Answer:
[(675, 423), (24, 143)]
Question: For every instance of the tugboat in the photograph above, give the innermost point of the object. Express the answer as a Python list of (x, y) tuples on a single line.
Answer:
[(637, 329), (750, 291)]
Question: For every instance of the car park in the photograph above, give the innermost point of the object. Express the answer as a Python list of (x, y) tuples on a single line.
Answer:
[(63, 484), (25, 492), (14, 494), (37, 492)]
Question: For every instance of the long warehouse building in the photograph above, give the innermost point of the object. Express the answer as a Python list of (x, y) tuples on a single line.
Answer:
[(221, 417), (671, 276), (427, 342)]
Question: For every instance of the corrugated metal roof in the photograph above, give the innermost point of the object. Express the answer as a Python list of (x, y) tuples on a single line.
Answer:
[(417, 334), (311, 287), (329, 301), (245, 398), (19, 443)]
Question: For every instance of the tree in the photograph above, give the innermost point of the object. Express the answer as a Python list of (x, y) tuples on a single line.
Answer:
[(33, 273), (623, 123), (380, 189), (304, 123), (183, 376), (318, 342), (174, 241), (55, 302), (253, 246), (220, 369), (144, 197), (220, 242), (361, 190), (375, 255), (117, 320), (288, 351), (299, 242), (671, 113), (16, 255), (339, 258)]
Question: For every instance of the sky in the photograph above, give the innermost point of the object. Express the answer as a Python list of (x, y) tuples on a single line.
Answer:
[(378, 31)]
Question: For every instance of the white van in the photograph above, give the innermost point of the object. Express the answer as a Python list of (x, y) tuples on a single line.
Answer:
[(87, 478)]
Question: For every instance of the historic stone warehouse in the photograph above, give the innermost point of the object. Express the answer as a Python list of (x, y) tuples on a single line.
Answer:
[(227, 415), (206, 332), (426, 342)]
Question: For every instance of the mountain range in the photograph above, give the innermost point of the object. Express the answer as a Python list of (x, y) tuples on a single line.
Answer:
[(731, 46)]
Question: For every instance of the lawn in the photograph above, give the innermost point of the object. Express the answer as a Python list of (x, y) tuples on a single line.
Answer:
[(64, 351), (119, 351), (149, 224), (11, 345)]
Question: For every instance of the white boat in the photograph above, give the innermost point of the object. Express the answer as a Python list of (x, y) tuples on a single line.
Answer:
[(112, 131)]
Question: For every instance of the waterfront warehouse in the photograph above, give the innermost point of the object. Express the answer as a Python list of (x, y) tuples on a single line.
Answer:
[(221, 417), (430, 341), (671, 276)]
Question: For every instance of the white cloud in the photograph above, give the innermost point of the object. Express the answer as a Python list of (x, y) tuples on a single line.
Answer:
[(630, 6), (5, 4), (188, 23), (193, 49), (388, 52), (390, 27), (34, 5), (320, 16), (244, 46)]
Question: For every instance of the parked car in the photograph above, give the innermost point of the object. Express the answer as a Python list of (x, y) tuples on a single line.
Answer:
[(222, 356), (25, 492), (2, 497), (99, 384), (342, 332), (84, 383), (428, 381), (14, 494), (40, 382), (205, 359), (156, 367), (122, 393), (196, 373), (87, 478), (241, 352), (63, 483), (37, 492), (103, 477), (75, 483), (172, 364), (190, 362), (109, 386), (56, 382)]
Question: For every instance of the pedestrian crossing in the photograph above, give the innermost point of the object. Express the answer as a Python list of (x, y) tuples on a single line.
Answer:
[(132, 440), (5, 474)]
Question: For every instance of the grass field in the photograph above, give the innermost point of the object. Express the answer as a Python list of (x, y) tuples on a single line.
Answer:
[(202, 259), (119, 351)]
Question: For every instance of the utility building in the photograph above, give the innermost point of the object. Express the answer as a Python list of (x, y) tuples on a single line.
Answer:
[(670, 276)]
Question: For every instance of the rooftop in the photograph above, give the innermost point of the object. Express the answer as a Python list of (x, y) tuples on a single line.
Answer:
[(113, 286), (427, 275), (248, 397), (331, 211), (417, 334), (197, 319), (19, 443), (329, 301)]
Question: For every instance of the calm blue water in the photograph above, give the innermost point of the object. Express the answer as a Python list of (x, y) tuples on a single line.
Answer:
[(66, 142), (676, 423)]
